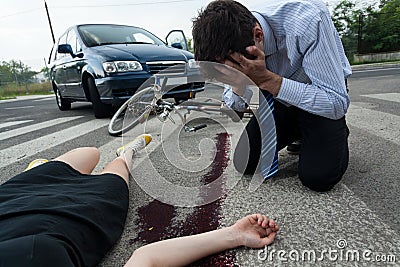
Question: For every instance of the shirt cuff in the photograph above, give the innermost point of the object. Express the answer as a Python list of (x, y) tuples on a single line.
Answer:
[(291, 91), (235, 102)]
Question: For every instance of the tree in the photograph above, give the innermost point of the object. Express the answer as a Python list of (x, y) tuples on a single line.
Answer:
[(371, 28), (46, 72), (15, 71), (345, 19), (190, 44), (382, 28)]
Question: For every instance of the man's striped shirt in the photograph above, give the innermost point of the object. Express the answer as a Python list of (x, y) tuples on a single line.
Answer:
[(303, 46)]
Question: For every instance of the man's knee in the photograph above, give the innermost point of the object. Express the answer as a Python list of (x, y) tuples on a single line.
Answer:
[(244, 164), (319, 180)]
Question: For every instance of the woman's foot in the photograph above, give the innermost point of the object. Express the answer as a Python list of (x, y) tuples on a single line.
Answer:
[(137, 144), (130, 150), (35, 163)]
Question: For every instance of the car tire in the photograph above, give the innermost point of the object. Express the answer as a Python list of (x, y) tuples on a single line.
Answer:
[(61, 102), (100, 109)]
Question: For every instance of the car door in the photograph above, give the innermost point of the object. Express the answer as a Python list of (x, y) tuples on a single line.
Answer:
[(177, 39), (73, 67), (57, 69)]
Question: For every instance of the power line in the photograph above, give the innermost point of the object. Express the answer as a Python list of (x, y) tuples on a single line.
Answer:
[(135, 4), (93, 6), (21, 12)]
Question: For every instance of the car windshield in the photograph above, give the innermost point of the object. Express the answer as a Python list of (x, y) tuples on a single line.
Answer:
[(94, 35)]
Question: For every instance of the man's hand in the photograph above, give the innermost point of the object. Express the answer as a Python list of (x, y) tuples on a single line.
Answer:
[(255, 69), (232, 77)]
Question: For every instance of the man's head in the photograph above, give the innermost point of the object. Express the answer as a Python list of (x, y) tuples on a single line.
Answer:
[(225, 26)]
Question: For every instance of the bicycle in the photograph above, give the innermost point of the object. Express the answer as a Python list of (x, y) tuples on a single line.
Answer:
[(149, 102)]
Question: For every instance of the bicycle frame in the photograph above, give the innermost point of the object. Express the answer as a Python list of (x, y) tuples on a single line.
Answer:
[(163, 108)]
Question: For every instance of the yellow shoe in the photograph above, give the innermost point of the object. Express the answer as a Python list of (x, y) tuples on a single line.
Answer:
[(137, 144), (35, 163)]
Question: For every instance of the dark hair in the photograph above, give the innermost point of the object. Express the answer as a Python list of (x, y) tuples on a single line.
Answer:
[(225, 26)]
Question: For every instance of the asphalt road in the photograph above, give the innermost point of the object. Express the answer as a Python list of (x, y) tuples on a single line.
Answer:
[(361, 216)]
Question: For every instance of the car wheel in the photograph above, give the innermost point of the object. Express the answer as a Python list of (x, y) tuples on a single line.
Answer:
[(61, 102), (100, 109)]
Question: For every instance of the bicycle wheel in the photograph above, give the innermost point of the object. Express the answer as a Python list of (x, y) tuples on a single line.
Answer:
[(135, 110)]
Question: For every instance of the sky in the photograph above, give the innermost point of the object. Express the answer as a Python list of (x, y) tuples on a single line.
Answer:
[(25, 34)]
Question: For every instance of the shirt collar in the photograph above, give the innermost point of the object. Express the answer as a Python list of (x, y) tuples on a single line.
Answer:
[(269, 38)]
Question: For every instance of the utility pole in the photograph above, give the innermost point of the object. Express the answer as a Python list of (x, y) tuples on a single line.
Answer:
[(359, 41), (48, 17)]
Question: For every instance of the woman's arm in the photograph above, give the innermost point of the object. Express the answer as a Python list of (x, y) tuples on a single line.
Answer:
[(253, 231)]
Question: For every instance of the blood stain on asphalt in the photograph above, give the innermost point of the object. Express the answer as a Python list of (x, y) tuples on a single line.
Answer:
[(156, 218)]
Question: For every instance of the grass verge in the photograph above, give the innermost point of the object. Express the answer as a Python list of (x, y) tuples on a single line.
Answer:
[(12, 90)]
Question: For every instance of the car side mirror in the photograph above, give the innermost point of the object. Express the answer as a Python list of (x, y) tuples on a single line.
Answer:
[(177, 45), (80, 55), (65, 49), (177, 39)]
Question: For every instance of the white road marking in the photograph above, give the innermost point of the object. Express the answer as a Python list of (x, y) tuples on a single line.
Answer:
[(28, 97), (378, 123), (374, 70), (12, 123), (45, 99), (34, 127), (24, 107), (394, 97), (12, 154)]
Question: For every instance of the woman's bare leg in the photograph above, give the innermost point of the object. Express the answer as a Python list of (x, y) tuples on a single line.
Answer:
[(82, 159), (118, 166)]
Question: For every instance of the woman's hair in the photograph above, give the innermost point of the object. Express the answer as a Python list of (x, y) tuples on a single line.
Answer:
[(225, 26)]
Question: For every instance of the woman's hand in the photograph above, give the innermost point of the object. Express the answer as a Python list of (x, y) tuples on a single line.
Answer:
[(255, 231)]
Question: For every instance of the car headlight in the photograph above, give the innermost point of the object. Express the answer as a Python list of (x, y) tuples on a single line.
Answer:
[(192, 64), (121, 66)]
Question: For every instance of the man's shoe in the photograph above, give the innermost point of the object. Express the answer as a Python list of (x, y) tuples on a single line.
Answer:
[(35, 163), (137, 144), (294, 148)]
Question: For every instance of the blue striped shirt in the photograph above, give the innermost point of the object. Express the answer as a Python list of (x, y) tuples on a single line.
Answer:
[(303, 46)]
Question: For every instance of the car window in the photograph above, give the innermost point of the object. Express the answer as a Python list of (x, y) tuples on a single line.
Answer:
[(62, 40), (94, 35), (78, 45), (142, 38), (53, 53), (71, 40)]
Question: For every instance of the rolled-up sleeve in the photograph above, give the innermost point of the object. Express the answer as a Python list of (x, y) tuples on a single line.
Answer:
[(234, 101), (326, 95)]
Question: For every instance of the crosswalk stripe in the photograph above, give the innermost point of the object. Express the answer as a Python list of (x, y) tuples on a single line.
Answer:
[(394, 97), (378, 123), (35, 127), (30, 148), (12, 123)]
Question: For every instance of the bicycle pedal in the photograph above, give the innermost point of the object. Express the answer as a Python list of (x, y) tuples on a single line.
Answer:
[(195, 128)]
